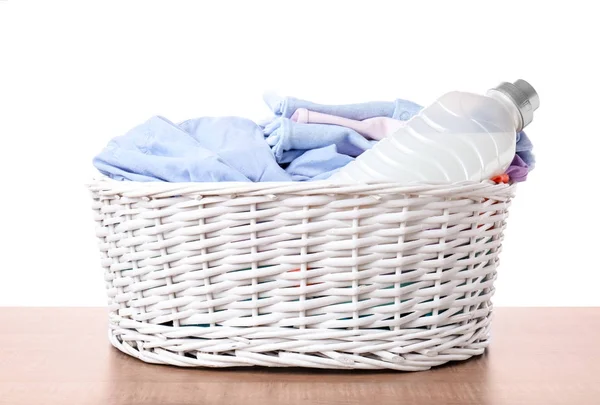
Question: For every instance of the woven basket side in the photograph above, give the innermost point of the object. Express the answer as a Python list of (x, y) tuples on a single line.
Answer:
[(365, 280)]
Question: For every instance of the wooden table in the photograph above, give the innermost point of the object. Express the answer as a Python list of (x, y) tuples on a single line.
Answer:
[(62, 356)]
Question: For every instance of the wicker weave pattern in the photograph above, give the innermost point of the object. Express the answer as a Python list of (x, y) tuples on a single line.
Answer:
[(300, 274)]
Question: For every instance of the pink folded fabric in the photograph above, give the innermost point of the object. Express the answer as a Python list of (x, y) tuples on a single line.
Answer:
[(375, 128)]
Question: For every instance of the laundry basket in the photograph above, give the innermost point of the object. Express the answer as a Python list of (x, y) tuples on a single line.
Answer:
[(303, 274)]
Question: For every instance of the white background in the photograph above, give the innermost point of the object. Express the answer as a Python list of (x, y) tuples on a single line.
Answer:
[(74, 75)]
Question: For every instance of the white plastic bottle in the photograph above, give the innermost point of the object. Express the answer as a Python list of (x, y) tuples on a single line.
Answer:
[(462, 136)]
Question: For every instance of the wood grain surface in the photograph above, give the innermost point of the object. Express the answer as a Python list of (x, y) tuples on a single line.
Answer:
[(62, 356)]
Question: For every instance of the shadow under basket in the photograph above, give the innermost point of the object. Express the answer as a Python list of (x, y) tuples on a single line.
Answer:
[(300, 274)]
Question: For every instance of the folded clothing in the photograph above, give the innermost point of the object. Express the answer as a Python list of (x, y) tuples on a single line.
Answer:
[(398, 109), (287, 137), (375, 128), (212, 149), (291, 139)]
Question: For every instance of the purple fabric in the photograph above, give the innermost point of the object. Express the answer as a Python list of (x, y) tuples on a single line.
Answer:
[(528, 158), (518, 170), (524, 160)]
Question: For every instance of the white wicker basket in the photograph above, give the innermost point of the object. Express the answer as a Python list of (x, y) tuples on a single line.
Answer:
[(300, 274)]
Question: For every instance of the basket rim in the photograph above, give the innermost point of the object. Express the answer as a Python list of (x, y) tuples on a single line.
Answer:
[(107, 187)]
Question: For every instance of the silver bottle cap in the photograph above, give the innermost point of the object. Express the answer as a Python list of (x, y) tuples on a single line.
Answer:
[(523, 95)]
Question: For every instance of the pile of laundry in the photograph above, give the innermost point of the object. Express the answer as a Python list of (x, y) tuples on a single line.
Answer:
[(303, 141)]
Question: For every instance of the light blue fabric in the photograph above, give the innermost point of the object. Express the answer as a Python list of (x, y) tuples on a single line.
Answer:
[(399, 109), (199, 150), (285, 135), (291, 141), (317, 164)]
